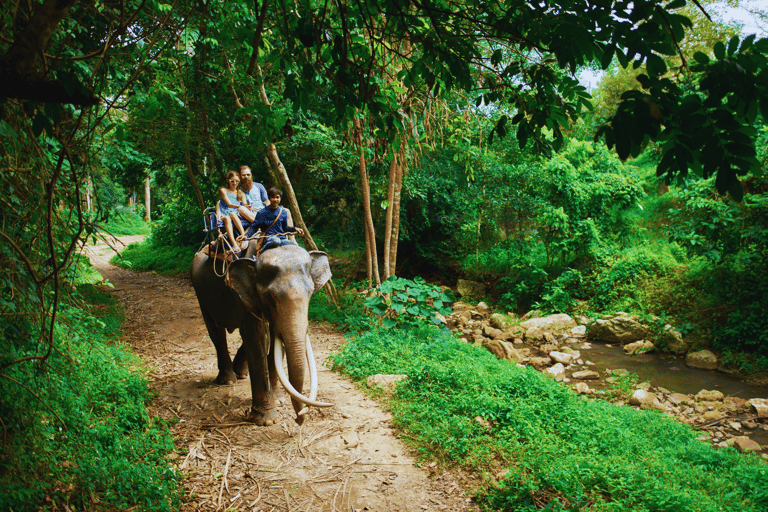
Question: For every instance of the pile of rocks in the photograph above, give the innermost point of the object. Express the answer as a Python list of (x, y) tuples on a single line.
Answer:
[(554, 345)]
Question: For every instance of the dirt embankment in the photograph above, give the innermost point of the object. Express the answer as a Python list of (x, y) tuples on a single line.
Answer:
[(344, 458)]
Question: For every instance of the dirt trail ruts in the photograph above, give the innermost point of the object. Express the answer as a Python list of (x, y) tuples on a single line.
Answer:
[(344, 458)]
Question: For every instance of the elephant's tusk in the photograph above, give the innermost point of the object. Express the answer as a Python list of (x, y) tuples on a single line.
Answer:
[(284, 380), (312, 376)]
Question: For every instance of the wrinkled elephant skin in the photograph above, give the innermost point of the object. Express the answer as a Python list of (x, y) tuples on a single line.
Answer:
[(266, 299)]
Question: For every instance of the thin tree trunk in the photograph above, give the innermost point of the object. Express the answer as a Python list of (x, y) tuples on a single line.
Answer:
[(390, 218), (371, 255), (278, 169), (193, 181), (147, 201), (395, 234)]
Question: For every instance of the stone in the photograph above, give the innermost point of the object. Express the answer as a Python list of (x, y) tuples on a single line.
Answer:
[(385, 382), (500, 321), (674, 341), (553, 324), (531, 314), (561, 357), (557, 371), (470, 289), (703, 359), (568, 350), (642, 398), (736, 404), (735, 425), (619, 328), (745, 444), (582, 388), (492, 332), (586, 375), (547, 348), (638, 347), (540, 362), (761, 406), (708, 396), (460, 307), (351, 440), (713, 415), (679, 398), (501, 349), (483, 308), (579, 330), (549, 338)]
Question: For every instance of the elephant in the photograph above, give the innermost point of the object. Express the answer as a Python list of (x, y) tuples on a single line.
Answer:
[(267, 299)]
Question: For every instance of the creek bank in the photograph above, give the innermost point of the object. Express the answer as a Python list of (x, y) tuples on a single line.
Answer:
[(563, 347)]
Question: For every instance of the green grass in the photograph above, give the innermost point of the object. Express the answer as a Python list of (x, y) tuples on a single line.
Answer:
[(145, 256), (124, 221), (559, 450), (84, 436)]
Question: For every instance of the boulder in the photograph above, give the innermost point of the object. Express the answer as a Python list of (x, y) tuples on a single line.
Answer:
[(470, 289), (736, 405), (540, 362), (500, 321), (553, 324), (586, 375), (701, 359), (501, 349), (745, 444), (713, 415), (582, 388), (561, 357), (384, 381), (619, 328), (557, 371), (549, 338), (578, 331), (638, 347), (708, 396), (459, 306), (642, 398), (492, 332), (679, 398), (674, 341), (546, 348), (531, 314), (760, 405)]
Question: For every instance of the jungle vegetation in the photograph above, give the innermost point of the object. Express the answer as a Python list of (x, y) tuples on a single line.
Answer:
[(443, 139)]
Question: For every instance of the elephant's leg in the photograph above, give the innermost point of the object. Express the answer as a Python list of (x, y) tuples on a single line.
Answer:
[(219, 338), (263, 410), (240, 363)]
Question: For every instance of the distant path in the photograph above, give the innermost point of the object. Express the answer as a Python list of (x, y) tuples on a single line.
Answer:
[(344, 458)]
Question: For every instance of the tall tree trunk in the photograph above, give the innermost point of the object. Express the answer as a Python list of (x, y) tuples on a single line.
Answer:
[(392, 228), (278, 169), (193, 181), (371, 255), (147, 201)]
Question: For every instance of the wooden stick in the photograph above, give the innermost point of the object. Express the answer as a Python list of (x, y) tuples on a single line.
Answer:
[(224, 480)]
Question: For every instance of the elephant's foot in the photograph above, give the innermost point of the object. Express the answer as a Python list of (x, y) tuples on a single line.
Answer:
[(226, 378), (240, 364), (262, 417)]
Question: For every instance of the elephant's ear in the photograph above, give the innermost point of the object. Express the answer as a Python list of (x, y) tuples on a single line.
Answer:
[(320, 270), (241, 277)]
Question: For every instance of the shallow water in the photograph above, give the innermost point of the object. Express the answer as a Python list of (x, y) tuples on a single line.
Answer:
[(670, 372)]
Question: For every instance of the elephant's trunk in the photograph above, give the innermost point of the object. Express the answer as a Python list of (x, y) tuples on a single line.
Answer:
[(278, 351)]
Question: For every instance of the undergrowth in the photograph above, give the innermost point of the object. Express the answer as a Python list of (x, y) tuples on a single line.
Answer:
[(124, 221), (76, 433), (561, 451), (151, 255)]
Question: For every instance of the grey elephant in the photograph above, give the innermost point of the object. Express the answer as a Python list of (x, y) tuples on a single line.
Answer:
[(267, 299)]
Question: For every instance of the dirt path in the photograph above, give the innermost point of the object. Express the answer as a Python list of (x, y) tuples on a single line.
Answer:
[(345, 458)]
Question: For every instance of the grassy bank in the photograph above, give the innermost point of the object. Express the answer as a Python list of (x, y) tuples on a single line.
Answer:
[(535, 443), (150, 255), (75, 429)]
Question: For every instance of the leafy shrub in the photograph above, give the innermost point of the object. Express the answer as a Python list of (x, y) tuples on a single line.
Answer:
[(81, 432), (124, 221), (405, 303)]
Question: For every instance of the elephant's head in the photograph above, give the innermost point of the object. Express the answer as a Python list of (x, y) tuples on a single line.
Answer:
[(277, 287)]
